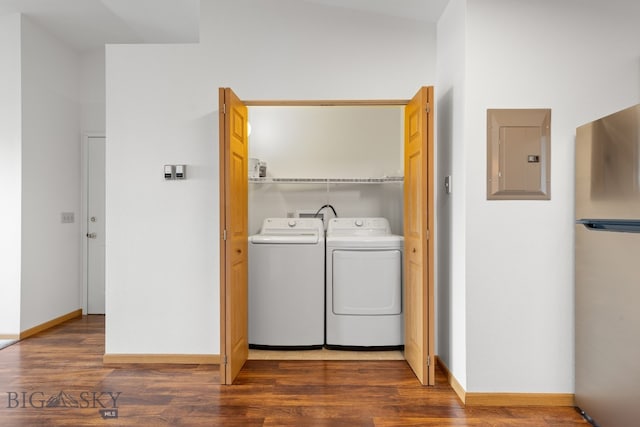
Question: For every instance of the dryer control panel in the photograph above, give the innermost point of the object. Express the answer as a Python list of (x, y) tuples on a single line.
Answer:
[(359, 227)]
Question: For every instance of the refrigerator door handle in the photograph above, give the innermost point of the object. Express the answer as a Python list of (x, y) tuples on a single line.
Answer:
[(611, 225)]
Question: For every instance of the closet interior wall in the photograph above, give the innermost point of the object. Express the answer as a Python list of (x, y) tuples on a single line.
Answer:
[(327, 142)]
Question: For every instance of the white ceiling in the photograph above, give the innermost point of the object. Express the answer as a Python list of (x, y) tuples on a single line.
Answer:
[(421, 10), (89, 24)]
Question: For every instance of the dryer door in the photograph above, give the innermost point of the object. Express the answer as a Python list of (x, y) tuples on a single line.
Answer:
[(367, 282)]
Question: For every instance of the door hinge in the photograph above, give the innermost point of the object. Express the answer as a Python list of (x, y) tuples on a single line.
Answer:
[(427, 234), (428, 360), (224, 108), (224, 359), (427, 108), (224, 234)]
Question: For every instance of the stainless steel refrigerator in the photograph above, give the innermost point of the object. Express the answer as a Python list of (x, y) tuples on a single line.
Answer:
[(607, 290)]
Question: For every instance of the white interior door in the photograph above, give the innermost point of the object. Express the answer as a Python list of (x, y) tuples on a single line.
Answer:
[(95, 225)]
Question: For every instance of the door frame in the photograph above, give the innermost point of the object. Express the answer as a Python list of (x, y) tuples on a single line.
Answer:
[(83, 217), (430, 286)]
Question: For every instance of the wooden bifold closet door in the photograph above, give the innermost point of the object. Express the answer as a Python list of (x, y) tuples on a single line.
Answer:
[(233, 248), (418, 224)]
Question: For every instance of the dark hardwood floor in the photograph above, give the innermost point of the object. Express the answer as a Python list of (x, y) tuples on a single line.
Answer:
[(57, 378)]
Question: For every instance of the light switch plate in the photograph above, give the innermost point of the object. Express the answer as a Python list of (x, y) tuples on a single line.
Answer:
[(181, 171), (67, 217), (169, 172), (447, 184)]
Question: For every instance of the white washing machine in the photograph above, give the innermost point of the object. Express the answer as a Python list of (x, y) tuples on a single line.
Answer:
[(286, 284), (363, 284)]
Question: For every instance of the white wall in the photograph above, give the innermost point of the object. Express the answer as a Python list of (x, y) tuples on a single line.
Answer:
[(92, 92), (161, 236), (50, 177), (327, 142), (10, 174), (333, 142), (581, 59), (451, 215), (162, 256), (288, 49)]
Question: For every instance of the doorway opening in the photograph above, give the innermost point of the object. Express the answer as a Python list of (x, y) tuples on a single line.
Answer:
[(417, 224)]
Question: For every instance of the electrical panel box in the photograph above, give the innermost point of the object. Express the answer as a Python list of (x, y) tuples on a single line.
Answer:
[(518, 154)]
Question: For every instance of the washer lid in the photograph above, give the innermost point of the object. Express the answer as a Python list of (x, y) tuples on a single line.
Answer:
[(289, 231)]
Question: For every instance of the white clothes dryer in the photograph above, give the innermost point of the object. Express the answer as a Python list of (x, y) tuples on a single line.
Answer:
[(286, 284), (363, 284)]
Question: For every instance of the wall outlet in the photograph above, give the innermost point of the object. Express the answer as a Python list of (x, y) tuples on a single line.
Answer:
[(309, 214)]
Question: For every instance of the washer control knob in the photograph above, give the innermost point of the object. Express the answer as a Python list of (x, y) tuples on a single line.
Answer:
[(359, 223), (292, 223)]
